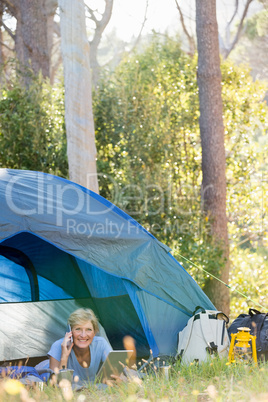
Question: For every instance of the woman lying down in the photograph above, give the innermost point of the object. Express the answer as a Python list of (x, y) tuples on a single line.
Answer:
[(81, 349)]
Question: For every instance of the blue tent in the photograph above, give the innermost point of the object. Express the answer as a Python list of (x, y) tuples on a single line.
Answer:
[(63, 246)]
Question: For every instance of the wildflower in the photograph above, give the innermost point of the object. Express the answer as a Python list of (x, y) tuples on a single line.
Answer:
[(66, 388), (81, 398), (195, 392), (13, 387), (212, 392)]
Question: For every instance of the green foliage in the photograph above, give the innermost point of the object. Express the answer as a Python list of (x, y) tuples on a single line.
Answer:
[(32, 130), (257, 25), (246, 123), (146, 119), (249, 275)]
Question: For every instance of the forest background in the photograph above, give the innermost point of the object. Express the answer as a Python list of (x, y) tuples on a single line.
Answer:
[(146, 119)]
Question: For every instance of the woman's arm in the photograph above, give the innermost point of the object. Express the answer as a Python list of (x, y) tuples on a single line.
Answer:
[(66, 347), (53, 363)]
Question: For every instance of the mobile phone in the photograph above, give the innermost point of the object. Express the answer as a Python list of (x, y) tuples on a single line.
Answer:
[(69, 330)]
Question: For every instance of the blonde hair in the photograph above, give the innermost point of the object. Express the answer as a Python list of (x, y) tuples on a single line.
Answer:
[(83, 315)]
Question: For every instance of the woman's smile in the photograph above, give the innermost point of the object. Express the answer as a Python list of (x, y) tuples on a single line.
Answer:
[(83, 334)]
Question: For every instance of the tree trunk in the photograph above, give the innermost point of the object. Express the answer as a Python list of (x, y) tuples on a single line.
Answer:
[(31, 36), (212, 140), (81, 149), (1, 40)]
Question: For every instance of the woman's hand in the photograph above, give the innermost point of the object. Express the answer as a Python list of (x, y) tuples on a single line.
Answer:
[(115, 379), (127, 375), (67, 344)]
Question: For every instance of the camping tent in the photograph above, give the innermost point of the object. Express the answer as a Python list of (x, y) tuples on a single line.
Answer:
[(63, 246)]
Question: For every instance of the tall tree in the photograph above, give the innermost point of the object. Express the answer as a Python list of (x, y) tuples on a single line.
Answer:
[(81, 149), (32, 31), (33, 34), (212, 141)]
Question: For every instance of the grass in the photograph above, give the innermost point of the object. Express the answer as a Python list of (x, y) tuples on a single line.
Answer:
[(213, 381)]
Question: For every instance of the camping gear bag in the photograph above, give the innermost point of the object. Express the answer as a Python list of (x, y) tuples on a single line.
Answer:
[(204, 335), (258, 324), (25, 374)]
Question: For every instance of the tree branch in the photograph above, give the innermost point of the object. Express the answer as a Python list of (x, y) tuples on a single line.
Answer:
[(6, 46), (189, 37), (250, 237), (8, 30), (228, 27), (239, 29), (235, 12), (13, 6), (56, 29), (142, 27), (106, 15), (138, 37), (92, 15), (100, 26)]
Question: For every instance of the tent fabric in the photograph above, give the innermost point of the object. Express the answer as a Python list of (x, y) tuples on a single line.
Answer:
[(61, 241), (29, 329)]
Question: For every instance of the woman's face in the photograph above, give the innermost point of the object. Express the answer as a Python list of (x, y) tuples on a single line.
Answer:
[(83, 334)]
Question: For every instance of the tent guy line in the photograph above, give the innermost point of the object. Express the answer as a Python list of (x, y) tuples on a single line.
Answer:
[(218, 279)]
